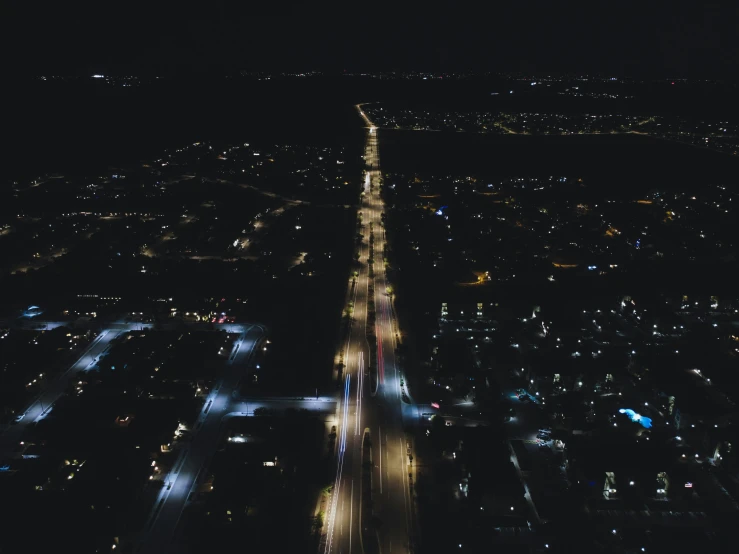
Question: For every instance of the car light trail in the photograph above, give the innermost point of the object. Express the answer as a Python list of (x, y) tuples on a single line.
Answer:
[(339, 467), (345, 417)]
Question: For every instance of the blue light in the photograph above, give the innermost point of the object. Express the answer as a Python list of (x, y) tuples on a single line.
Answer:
[(32, 311), (644, 421)]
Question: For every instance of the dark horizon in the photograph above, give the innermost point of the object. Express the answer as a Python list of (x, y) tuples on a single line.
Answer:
[(678, 43)]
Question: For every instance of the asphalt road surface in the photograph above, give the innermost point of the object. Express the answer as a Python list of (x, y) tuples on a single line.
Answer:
[(44, 403), (192, 462), (191, 465), (371, 400)]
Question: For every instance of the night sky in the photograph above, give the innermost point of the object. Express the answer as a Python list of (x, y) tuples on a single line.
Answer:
[(668, 39)]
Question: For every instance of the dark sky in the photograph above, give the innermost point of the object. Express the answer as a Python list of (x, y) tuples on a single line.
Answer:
[(673, 39)]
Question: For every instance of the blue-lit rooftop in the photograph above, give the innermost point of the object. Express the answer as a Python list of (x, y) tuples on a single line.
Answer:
[(644, 421)]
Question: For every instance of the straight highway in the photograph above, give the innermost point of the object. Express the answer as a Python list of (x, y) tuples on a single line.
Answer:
[(371, 399)]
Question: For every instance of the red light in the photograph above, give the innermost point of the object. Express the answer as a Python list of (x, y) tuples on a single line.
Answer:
[(673, 82), (434, 405)]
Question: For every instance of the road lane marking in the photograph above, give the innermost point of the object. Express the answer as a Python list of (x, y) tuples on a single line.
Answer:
[(379, 441), (387, 467), (360, 386), (405, 489)]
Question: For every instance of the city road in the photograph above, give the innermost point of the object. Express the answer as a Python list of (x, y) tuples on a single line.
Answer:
[(191, 465), (371, 400)]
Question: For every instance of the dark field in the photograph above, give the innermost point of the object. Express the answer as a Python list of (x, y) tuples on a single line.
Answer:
[(610, 159), (83, 128)]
